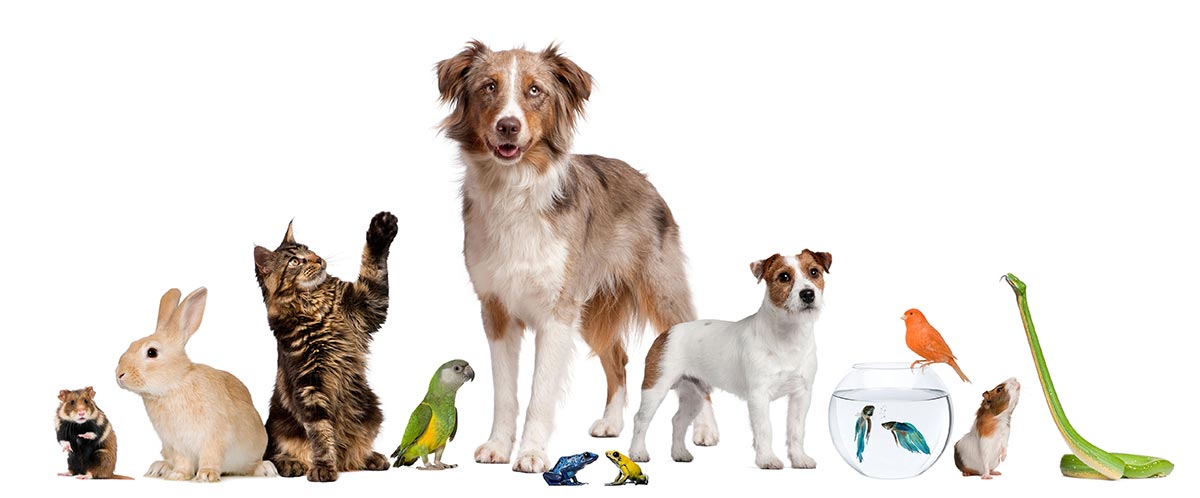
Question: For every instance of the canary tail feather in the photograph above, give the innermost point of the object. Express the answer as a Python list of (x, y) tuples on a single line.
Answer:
[(961, 375)]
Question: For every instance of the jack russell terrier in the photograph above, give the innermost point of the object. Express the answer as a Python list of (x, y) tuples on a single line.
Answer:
[(761, 358)]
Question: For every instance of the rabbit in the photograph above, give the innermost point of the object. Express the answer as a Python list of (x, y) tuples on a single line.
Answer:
[(205, 417)]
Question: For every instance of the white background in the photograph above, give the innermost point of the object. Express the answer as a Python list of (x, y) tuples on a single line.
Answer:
[(930, 146)]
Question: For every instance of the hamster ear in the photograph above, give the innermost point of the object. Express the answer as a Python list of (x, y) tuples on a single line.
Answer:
[(823, 258), (91, 393), (62, 394), (759, 268), (287, 237), (191, 310), (166, 307), (263, 258)]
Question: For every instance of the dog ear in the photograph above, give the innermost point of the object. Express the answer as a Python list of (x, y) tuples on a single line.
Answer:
[(759, 268), (823, 258), (452, 72), (575, 81)]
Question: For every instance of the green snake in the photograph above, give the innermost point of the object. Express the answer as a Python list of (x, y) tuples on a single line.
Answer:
[(1086, 461)]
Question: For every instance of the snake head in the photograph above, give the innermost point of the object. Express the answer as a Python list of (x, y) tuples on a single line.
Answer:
[(1016, 283)]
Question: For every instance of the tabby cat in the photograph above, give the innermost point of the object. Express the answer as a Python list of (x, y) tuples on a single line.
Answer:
[(324, 417)]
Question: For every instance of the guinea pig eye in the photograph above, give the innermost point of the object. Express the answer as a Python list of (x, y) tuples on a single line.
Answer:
[(534, 91), (490, 87), (813, 272), (1000, 389), (152, 353), (293, 262), (785, 277)]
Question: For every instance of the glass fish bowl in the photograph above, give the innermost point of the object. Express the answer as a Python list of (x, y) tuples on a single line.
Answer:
[(888, 421)]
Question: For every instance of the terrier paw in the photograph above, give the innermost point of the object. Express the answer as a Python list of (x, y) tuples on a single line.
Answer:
[(607, 428), (769, 462), (322, 473), (639, 455), (208, 475), (383, 231), (265, 469), (704, 434), (681, 455), (493, 452), (158, 469), (291, 468), (531, 462), (803, 461), (377, 462)]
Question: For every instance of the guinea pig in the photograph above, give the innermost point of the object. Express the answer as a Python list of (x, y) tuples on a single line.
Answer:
[(982, 449)]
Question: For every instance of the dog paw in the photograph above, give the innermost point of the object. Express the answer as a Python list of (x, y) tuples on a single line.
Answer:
[(208, 475), (681, 455), (265, 469), (704, 434), (803, 461), (769, 462), (531, 462), (377, 462), (639, 455), (383, 231), (607, 428), (493, 452), (322, 473), (178, 475), (291, 468), (158, 469)]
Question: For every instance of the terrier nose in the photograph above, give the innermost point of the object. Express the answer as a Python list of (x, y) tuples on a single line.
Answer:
[(508, 127), (807, 295)]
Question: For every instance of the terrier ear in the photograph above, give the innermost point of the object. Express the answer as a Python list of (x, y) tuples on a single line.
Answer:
[(452, 72), (823, 258), (263, 258), (62, 395), (760, 268)]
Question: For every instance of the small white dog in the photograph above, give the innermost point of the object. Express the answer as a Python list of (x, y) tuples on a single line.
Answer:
[(761, 358)]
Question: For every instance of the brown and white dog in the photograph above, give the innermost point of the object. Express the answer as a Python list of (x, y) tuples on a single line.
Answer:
[(761, 358), (560, 243)]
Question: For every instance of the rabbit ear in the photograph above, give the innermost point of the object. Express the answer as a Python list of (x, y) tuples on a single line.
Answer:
[(190, 311), (166, 307)]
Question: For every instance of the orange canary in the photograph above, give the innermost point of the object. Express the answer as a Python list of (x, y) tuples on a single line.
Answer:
[(925, 340)]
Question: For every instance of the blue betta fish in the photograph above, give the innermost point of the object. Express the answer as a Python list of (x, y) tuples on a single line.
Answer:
[(907, 436), (862, 429)]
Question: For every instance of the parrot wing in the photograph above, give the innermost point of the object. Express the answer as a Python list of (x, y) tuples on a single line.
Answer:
[(454, 429), (418, 423)]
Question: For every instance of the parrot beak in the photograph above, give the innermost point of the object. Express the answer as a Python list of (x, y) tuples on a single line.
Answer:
[(470, 373)]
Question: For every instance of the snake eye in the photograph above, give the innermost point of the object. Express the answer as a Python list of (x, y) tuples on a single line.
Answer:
[(785, 277)]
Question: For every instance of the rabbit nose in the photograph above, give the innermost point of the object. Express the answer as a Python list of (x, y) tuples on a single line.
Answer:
[(121, 375)]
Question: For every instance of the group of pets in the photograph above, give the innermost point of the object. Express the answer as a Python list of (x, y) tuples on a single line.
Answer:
[(562, 244)]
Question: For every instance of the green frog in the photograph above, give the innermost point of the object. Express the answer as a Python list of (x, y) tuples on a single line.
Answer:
[(630, 471)]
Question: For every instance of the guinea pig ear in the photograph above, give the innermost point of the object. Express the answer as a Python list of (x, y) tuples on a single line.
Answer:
[(759, 268), (91, 393), (823, 258), (576, 81), (166, 307), (62, 394), (263, 259), (452, 72), (190, 312)]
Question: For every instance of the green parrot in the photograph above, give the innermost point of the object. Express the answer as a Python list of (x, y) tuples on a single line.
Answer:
[(435, 420)]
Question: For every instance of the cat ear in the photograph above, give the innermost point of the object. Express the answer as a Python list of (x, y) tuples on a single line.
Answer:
[(166, 306), (287, 237), (190, 313), (263, 258)]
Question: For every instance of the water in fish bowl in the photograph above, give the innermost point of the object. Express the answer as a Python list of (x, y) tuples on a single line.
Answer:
[(890, 433)]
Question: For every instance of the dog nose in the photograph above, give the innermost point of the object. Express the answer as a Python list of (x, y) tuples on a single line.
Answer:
[(508, 127), (807, 295)]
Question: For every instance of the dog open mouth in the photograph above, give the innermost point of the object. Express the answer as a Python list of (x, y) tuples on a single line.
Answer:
[(507, 151)]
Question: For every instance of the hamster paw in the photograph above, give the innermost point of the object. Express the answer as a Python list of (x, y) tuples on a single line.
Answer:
[(291, 468), (322, 473), (84, 476), (377, 462), (531, 462), (493, 452), (769, 462), (208, 475)]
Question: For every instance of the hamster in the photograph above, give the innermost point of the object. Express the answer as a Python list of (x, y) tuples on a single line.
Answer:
[(982, 449), (86, 436)]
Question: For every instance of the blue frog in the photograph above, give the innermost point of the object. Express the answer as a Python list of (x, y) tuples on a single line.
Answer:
[(563, 473)]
